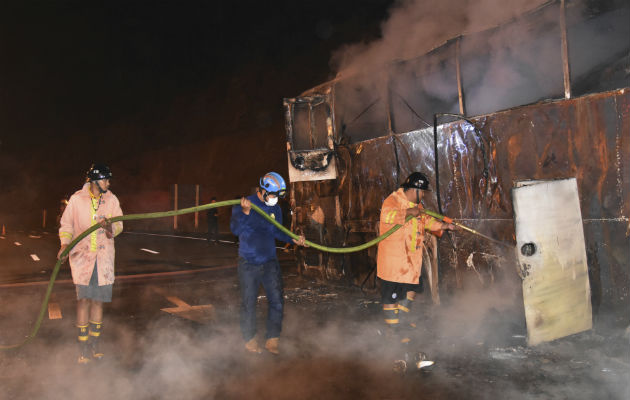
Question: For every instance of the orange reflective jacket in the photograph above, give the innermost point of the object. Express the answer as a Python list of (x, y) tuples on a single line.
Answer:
[(400, 255)]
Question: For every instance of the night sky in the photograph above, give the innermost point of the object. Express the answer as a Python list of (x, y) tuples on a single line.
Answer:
[(123, 81)]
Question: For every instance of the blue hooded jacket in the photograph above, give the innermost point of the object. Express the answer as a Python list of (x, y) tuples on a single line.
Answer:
[(257, 237)]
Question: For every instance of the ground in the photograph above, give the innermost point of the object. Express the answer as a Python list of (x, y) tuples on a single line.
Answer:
[(333, 346)]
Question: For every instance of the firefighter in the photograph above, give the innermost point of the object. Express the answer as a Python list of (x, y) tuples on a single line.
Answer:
[(213, 224), (258, 263), (399, 260), (92, 259)]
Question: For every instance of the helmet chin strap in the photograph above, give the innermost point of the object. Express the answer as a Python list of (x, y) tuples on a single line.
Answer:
[(266, 196), (417, 196), (100, 189)]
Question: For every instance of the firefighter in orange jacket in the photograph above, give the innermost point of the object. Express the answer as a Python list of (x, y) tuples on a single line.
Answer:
[(399, 260)]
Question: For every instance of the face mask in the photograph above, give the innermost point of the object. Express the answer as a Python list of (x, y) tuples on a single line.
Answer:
[(271, 201)]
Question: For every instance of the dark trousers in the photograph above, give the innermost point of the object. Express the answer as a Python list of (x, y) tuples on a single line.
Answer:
[(393, 292), (251, 276), (213, 230)]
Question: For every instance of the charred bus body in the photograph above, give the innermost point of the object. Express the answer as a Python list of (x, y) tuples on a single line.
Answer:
[(547, 97)]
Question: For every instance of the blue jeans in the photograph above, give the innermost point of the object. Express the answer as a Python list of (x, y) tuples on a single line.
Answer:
[(250, 277)]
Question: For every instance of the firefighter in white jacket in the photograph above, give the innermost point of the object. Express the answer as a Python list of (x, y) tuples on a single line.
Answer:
[(92, 259)]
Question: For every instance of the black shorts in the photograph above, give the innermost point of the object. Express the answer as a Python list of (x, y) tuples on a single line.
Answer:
[(393, 292)]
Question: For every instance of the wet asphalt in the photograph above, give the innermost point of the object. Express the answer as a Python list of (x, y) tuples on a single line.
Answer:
[(172, 331)]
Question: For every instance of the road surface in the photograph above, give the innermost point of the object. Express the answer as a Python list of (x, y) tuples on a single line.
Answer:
[(172, 332)]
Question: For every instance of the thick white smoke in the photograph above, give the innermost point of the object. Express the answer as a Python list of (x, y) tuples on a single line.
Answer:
[(416, 26)]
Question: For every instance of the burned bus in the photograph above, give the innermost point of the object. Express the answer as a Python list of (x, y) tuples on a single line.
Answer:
[(524, 130)]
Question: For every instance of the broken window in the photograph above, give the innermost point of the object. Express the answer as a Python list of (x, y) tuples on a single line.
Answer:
[(598, 36), (422, 87), (309, 123), (514, 64), (360, 107), (310, 138), (319, 132), (301, 127)]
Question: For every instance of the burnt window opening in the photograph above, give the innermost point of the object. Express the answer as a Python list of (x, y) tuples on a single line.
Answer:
[(422, 87), (310, 137), (310, 127), (301, 127), (514, 64), (361, 108), (319, 135), (598, 36)]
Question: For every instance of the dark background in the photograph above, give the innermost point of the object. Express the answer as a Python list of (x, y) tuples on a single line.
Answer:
[(165, 92)]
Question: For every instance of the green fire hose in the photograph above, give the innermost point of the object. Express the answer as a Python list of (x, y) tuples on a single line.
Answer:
[(130, 217), (448, 220)]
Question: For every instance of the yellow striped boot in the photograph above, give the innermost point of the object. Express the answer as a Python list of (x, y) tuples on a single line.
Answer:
[(390, 312), (95, 338), (84, 349), (404, 306)]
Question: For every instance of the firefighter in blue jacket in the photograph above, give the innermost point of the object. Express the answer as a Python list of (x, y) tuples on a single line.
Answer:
[(257, 261)]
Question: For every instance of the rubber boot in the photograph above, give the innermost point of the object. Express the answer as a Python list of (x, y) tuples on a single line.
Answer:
[(95, 338), (252, 346), (272, 345), (404, 306), (84, 347), (390, 313)]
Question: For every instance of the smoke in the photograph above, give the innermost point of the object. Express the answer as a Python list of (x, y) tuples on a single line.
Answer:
[(487, 312), (421, 86), (510, 55), (416, 26)]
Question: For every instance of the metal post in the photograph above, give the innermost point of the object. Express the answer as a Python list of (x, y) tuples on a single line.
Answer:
[(565, 51), (460, 88), (388, 104), (196, 205), (175, 207), (331, 99), (311, 124), (437, 165), (390, 123)]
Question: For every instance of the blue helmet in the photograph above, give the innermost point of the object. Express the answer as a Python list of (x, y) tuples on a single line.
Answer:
[(274, 184)]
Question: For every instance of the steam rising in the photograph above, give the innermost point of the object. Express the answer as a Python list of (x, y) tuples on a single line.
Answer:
[(333, 346)]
